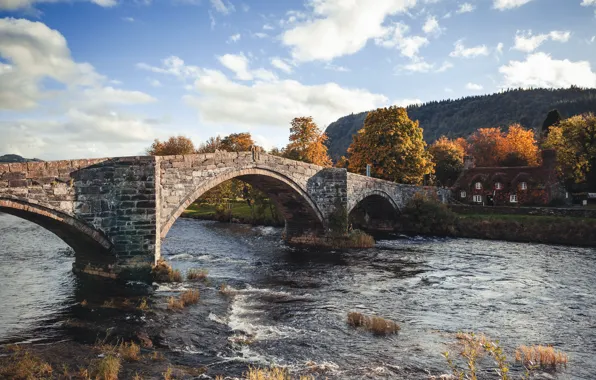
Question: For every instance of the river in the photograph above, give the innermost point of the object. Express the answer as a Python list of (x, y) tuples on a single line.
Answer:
[(292, 303)]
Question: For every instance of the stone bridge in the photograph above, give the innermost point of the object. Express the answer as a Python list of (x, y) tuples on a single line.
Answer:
[(114, 212)]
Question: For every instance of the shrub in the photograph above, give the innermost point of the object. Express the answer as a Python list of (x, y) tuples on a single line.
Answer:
[(360, 239), (163, 272), (544, 356), (425, 215), (356, 319), (190, 297), (196, 274)]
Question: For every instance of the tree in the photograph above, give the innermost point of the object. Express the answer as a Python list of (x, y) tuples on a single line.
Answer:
[(520, 143), (575, 142), (487, 145), (552, 119), (448, 157), (210, 146), (393, 145), (237, 142), (172, 146), (307, 143)]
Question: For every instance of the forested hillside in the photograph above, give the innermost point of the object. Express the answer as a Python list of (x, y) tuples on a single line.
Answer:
[(461, 117), (8, 158)]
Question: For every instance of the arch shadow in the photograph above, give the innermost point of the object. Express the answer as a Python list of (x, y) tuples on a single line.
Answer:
[(375, 211), (295, 205), (85, 240)]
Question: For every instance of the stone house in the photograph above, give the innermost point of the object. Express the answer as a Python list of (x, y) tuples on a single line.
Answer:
[(509, 186)]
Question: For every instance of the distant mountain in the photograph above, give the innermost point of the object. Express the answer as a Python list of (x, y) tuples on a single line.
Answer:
[(8, 158), (461, 117)]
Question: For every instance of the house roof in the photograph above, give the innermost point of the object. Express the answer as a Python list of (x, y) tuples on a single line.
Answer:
[(505, 175)]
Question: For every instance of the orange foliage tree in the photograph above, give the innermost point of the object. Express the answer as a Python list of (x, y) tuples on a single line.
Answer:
[(174, 145), (307, 143), (237, 142), (493, 147), (393, 145)]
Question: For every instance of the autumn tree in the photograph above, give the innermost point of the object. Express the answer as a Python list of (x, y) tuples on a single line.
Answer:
[(307, 143), (487, 146), (393, 145), (210, 146), (574, 139), (173, 146), (448, 157), (237, 142), (522, 143)]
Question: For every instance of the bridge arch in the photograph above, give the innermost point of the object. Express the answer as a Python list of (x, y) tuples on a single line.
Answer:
[(374, 210), (77, 234), (294, 203)]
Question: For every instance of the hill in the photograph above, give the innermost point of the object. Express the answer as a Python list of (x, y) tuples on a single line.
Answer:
[(9, 158), (461, 117)]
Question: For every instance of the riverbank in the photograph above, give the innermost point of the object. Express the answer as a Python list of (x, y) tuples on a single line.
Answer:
[(239, 212)]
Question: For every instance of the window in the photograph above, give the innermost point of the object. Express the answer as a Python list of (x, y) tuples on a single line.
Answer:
[(462, 194), (523, 185), (498, 186), (513, 198), (478, 198), (478, 186)]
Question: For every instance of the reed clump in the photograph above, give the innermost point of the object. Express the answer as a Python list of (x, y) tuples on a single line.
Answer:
[(106, 368), (195, 274), (175, 304), (543, 356), (226, 290), (374, 324), (24, 365), (163, 272), (130, 351), (273, 373), (190, 297)]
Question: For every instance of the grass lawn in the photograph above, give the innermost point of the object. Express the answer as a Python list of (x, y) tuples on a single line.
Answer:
[(240, 211)]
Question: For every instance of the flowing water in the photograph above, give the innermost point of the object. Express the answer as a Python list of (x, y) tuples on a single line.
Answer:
[(292, 304)]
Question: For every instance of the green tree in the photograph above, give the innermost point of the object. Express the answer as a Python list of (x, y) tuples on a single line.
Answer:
[(574, 139), (448, 157), (552, 119), (393, 145)]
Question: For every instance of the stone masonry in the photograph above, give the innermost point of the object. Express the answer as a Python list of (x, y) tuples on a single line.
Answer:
[(115, 212)]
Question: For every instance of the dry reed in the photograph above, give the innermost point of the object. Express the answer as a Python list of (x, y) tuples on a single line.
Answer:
[(544, 356), (374, 324), (197, 274)]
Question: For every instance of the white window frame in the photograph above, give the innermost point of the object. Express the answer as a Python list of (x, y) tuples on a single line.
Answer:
[(499, 185), (477, 198), (512, 198), (462, 194), (478, 186), (523, 185)]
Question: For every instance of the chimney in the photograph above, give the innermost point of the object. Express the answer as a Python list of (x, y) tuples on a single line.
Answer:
[(549, 158), (468, 162)]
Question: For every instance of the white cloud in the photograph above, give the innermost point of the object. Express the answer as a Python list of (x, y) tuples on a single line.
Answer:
[(472, 52), (474, 86), (395, 36), (83, 110), (105, 3), (280, 64), (592, 40), (154, 83), (586, 3), (222, 101), (406, 102), (526, 42), (421, 66), (499, 48), (508, 4), (221, 7), (431, 26), (238, 63), (540, 70), (234, 38), (128, 19), (12, 5), (465, 8), (342, 69), (336, 27), (260, 35), (267, 27)]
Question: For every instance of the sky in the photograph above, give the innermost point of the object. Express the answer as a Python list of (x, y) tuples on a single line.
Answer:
[(104, 78)]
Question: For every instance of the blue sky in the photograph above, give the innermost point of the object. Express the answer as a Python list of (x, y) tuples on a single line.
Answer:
[(105, 77)]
